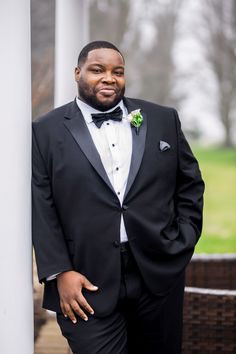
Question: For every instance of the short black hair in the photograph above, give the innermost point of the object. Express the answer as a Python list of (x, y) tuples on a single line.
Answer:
[(95, 45)]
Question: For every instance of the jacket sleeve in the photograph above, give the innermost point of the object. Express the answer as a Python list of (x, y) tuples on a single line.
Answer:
[(189, 189), (50, 247)]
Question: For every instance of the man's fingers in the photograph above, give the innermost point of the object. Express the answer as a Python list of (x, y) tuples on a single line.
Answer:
[(69, 313), (89, 286), (63, 308), (69, 310), (84, 304), (77, 309)]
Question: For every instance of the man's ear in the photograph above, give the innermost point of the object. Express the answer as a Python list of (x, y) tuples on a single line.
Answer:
[(77, 73)]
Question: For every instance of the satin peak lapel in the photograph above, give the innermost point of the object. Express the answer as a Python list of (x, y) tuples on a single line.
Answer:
[(77, 127), (138, 146)]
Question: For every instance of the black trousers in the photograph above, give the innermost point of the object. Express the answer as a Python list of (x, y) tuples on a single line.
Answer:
[(141, 323)]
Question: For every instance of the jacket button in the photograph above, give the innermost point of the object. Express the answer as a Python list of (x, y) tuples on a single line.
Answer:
[(124, 207), (116, 244)]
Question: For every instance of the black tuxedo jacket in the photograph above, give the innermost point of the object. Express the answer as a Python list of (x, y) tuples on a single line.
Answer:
[(76, 212)]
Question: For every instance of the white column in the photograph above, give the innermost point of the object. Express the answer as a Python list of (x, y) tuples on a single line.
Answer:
[(16, 304), (72, 33)]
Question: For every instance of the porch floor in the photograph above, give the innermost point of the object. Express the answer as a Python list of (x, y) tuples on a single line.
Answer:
[(50, 340)]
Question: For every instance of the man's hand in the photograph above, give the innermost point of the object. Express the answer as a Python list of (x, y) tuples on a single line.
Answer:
[(70, 285)]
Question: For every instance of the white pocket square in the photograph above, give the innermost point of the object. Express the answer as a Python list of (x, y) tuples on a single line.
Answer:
[(164, 145)]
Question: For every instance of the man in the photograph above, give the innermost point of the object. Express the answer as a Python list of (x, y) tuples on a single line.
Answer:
[(117, 211)]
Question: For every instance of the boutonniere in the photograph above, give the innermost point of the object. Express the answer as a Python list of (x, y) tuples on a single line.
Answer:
[(135, 118)]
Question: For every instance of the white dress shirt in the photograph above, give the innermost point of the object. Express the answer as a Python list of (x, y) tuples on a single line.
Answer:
[(113, 141)]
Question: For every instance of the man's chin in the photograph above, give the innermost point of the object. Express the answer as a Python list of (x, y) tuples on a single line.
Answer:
[(106, 103), (101, 102)]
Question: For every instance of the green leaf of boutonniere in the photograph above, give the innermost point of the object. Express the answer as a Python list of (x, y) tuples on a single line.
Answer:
[(135, 118)]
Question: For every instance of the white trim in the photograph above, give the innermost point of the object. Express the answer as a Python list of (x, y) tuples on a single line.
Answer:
[(71, 34), (214, 256), (215, 292), (16, 295)]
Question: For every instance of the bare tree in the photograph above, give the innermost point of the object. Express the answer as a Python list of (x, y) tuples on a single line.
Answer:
[(108, 20), (42, 29), (219, 42), (150, 65), (159, 80), (42, 83)]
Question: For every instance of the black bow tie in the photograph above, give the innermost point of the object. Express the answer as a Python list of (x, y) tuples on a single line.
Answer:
[(99, 118)]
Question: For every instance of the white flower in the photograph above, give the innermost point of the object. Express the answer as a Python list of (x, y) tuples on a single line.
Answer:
[(135, 118), (132, 114)]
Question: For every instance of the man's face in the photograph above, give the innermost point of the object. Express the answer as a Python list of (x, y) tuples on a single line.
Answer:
[(101, 81)]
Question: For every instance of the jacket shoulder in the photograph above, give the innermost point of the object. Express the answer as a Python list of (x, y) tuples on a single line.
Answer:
[(148, 105), (54, 115)]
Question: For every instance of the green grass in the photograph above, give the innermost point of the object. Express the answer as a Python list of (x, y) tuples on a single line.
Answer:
[(218, 168)]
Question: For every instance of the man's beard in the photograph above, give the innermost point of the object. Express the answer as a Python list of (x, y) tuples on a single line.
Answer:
[(88, 95)]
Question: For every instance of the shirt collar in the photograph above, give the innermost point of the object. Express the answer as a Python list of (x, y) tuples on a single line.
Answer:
[(88, 110)]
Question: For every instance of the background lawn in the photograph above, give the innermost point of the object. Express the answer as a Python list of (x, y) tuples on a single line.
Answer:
[(218, 168)]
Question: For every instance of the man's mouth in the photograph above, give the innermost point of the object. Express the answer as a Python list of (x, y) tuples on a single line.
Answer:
[(107, 91)]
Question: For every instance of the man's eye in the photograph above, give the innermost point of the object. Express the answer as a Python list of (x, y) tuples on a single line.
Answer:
[(96, 70), (119, 73)]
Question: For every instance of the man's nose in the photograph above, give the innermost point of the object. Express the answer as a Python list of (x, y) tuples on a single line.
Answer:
[(108, 77)]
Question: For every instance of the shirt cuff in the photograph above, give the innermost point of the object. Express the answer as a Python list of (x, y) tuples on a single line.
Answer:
[(51, 277)]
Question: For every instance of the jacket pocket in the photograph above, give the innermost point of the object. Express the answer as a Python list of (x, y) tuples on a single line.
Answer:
[(188, 234), (172, 231)]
